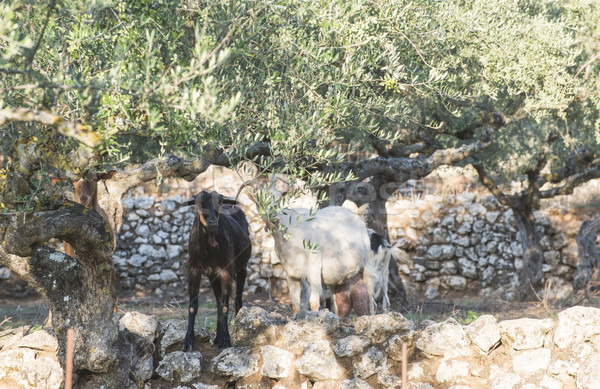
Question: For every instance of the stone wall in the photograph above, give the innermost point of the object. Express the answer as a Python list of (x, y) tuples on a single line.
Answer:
[(468, 244), (318, 350), (458, 244)]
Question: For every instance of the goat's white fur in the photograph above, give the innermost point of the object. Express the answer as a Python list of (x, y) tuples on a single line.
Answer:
[(329, 246), (379, 268)]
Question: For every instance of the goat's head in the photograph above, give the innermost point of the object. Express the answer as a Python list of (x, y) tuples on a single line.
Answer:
[(86, 190), (208, 208)]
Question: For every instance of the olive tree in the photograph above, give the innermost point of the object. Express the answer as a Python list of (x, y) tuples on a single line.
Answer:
[(165, 88)]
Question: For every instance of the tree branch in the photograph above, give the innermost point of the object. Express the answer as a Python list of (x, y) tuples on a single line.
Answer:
[(77, 131), (493, 188), (573, 181), (86, 231)]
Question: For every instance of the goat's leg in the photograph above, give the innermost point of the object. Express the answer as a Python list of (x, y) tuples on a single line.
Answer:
[(316, 288), (385, 305), (194, 276), (295, 288), (222, 339), (239, 289)]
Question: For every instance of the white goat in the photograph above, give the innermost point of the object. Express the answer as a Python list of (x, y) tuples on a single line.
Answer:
[(330, 247)]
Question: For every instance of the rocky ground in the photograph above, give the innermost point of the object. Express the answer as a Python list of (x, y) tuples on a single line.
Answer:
[(453, 344)]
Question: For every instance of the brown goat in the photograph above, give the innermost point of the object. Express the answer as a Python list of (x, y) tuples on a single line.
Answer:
[(86, 193)]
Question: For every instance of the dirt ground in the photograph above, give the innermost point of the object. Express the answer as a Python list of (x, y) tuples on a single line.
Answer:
[(31, 310)]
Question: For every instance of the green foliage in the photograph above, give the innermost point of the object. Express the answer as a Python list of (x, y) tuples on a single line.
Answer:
[(169, 75), (137, 68)]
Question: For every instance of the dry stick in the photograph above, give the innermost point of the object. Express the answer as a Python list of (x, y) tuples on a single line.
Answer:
[(69, 362), (404, 366)]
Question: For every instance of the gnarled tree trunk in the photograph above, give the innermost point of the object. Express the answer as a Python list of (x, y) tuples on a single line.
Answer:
[(589, 257), (531, 274), (80, 292)]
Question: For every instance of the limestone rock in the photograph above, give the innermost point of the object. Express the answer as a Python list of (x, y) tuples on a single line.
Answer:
[(484, 333), (379, 328), (255, 326), (451, 371), (277, 363), (524, 334), (448, 339), (355, 383), (328, 320), (179, 365), (23, 368), (144, 202), (350, 346), (40, 340), (589, 375), (531, 362), (576, 325), (369, 363), (140, 324), (318, 362), (394, 345), (296, 334), (235, 363), (455, 282), (501, 379)]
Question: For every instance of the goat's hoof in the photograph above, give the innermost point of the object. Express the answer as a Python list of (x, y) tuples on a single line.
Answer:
[(187, 347), (222, 343)]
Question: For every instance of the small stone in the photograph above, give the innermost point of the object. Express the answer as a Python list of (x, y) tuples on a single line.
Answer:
[(370, 363), (350, 346), (524, 334), (140, 324), (379, 328), (484, 333), (277, 363), (235, 363), (577, 325), (448, 339), (180, 366), (318, 362)]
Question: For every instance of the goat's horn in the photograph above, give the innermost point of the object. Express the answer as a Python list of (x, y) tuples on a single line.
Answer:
[(245, 184), (362, 209), (229, 200)]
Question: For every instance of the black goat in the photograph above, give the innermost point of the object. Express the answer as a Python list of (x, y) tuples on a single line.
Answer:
[(219, 247)]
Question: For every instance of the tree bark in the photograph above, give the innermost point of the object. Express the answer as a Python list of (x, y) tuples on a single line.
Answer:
[(80, 292), (531, 274), (589, 258)]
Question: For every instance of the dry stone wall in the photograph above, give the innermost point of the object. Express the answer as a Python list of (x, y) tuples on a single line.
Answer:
[(467, 244), (318, 350)]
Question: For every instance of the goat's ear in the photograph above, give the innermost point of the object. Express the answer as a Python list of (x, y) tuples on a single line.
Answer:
[(190, 201), (229, 200), (106, 176)]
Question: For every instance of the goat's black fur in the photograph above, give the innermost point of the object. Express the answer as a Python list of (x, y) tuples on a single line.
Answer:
[(219, 247)]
